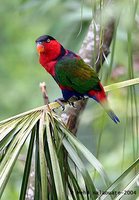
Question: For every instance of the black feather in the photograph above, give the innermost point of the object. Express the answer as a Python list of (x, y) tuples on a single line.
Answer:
[(44, 38)]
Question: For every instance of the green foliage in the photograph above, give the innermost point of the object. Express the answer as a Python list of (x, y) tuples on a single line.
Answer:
[(22, 22), (55, 177), (52, 139)]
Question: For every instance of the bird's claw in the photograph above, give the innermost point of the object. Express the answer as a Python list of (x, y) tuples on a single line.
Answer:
[(81, 98), (72, 104), (61, 102), (75, 98)]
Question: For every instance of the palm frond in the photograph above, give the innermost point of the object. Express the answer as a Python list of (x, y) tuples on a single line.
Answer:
[(57, 154)]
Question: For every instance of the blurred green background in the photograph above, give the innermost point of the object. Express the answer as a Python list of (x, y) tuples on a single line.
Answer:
[(21, 24), (20, 74)]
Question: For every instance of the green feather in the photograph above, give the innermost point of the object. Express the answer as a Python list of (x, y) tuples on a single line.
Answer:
[(75, 73)]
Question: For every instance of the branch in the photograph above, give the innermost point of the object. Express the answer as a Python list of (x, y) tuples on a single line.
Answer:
[(44, 93)]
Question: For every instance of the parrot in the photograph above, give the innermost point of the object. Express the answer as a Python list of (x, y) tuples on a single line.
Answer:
[(74, 77)]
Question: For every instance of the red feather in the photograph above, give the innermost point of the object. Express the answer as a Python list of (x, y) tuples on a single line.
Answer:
[(100, 95)]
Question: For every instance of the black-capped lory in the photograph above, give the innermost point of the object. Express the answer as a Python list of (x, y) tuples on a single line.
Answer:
[(74, 76)]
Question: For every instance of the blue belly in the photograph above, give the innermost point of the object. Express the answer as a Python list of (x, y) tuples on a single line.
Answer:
[(67, 94)]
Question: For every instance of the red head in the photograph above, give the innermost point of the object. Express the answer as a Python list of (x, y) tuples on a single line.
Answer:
[(48, 48)]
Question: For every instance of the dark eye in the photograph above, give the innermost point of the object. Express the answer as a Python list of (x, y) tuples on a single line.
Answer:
[(48, 40)]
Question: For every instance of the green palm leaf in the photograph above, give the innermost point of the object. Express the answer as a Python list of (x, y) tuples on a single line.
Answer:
[(54, 175)]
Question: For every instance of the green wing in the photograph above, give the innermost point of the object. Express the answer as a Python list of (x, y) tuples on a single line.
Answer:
[(75, 73)]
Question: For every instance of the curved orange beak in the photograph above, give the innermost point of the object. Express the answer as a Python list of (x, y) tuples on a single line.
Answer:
[(40, 48)]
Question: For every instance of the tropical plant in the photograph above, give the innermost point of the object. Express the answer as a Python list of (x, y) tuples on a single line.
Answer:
[(56, 165), (58, 157)]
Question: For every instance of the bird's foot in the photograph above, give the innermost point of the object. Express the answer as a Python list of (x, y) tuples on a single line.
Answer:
[(81, 98), (78, 98), (75, 98), (72, 100), (72, 104), (61, 102)]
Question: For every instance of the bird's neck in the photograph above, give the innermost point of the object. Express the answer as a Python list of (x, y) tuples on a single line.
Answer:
[(49, 58)]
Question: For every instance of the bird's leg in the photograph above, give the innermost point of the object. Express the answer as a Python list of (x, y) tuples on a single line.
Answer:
[(61, 101)]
